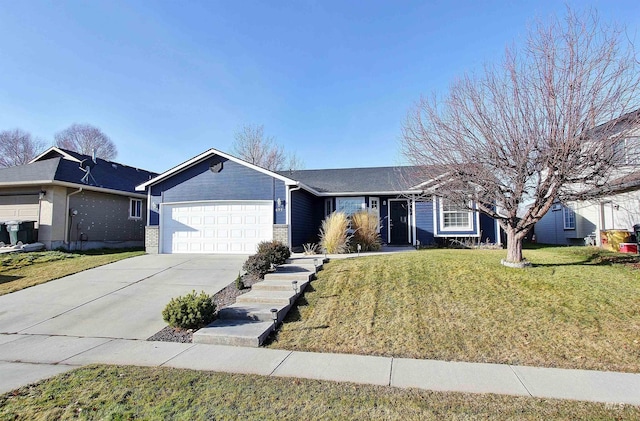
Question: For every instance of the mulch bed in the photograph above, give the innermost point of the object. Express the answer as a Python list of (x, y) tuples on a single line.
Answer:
[(222, 299)]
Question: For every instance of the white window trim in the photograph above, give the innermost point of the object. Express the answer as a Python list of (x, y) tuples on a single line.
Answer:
[(565, 212), (355, 198), (468, 227), (328, 207), (132, 206), (376, 210)]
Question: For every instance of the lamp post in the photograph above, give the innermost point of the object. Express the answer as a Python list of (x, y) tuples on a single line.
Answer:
[(274, 317), (294, 285)]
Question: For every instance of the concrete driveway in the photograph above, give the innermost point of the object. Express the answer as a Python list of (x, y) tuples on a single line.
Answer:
[(120, 300)]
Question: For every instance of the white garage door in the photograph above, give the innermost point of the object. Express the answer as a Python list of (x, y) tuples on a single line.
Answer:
[(19, 207), (234, 227)]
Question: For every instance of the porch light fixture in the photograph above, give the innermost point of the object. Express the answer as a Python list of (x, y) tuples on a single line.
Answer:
[(279, 204), (274, 317), (294, 285)]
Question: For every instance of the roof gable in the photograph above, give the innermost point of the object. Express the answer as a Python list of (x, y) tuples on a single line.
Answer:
[(204, 156), (60, 165)]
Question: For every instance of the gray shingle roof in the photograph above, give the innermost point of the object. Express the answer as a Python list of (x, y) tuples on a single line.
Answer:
[(51, 167), (34, 172), (355, 180)]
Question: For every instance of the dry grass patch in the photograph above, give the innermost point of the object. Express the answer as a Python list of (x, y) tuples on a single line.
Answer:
[(123, 393), (22, 270), (576, 308)]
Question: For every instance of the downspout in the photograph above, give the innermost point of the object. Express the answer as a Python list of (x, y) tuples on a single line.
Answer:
[(289, 190), (68, 216)]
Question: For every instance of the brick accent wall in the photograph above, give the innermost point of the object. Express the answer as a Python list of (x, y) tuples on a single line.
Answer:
[(151, 239), (281, 233)]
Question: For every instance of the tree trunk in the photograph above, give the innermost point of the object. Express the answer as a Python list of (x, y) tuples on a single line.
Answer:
[(514, 246)]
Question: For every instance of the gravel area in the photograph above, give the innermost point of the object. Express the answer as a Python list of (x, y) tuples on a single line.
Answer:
[(222, 299)]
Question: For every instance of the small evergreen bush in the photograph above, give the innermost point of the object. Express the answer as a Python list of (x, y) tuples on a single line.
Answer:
[(333, 233), (366, 226), (276, 252), (257, 265), (191, 311)]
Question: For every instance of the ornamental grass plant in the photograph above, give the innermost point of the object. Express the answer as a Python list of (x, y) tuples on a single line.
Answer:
[(366, 227), (334, 238)]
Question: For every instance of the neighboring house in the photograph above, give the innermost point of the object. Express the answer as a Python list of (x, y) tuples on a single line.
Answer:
[(217, 203), (570, 223), (615, 206), (77, 202)]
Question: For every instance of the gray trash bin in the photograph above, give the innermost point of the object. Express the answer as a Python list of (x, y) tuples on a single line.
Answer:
[(4, 234), (23, 231)]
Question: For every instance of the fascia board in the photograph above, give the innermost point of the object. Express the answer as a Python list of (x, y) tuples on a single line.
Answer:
[(60, 151), (197, 159), (75, 186)]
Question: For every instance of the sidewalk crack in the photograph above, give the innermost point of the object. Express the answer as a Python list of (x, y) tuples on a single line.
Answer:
[(520, 380), (281, 362)]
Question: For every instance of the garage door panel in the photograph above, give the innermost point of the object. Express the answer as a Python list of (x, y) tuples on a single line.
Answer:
[(216, 227)]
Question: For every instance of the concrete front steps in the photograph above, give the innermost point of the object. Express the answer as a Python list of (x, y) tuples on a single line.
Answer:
[(249, 321)]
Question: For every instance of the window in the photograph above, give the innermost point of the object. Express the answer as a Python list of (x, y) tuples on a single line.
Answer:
[(328, 207), (569, 217), (374, 205), (135, 209), (627, 151), (350, 205), (454, 217)]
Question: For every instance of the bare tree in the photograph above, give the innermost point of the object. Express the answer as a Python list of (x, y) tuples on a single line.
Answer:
[(253, 146), (18, 147), (86, 139), (542, 125)]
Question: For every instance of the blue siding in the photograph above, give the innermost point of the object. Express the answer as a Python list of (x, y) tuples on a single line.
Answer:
[(487, 229), (307, 212), (384, 219), (234, 182), (424, 222)]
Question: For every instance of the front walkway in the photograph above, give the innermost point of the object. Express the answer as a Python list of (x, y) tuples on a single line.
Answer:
[(29, 358)]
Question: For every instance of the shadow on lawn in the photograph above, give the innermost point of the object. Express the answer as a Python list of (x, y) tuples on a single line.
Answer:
[(598, 258), (7, 278)]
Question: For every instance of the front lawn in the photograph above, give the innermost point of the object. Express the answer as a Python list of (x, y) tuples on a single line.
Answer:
[(22, 270), (578, 307), (124, 393)]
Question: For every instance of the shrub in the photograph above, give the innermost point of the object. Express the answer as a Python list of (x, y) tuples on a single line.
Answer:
[(310, 248), (366, 226), (239, 282), (257, 265), (276, 252), (191, 311), (333, 233)]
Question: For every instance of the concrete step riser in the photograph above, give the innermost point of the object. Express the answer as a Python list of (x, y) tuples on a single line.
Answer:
[(263, 315), (225, 332), (287, 286), (265, 300), (302, 276)]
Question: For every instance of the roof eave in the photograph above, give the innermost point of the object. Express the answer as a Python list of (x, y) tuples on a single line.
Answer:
[(73, 185)]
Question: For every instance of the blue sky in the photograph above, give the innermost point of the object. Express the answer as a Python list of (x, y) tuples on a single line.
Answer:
[(332, 81)]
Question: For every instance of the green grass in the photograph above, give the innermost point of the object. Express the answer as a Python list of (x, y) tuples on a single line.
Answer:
[(577, 307), (125, 393), (22, 270)]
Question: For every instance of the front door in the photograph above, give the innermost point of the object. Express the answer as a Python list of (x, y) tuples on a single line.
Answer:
[(398, 222)]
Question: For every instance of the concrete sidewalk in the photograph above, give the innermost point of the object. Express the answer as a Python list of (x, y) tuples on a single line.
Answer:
[(28, 358)]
